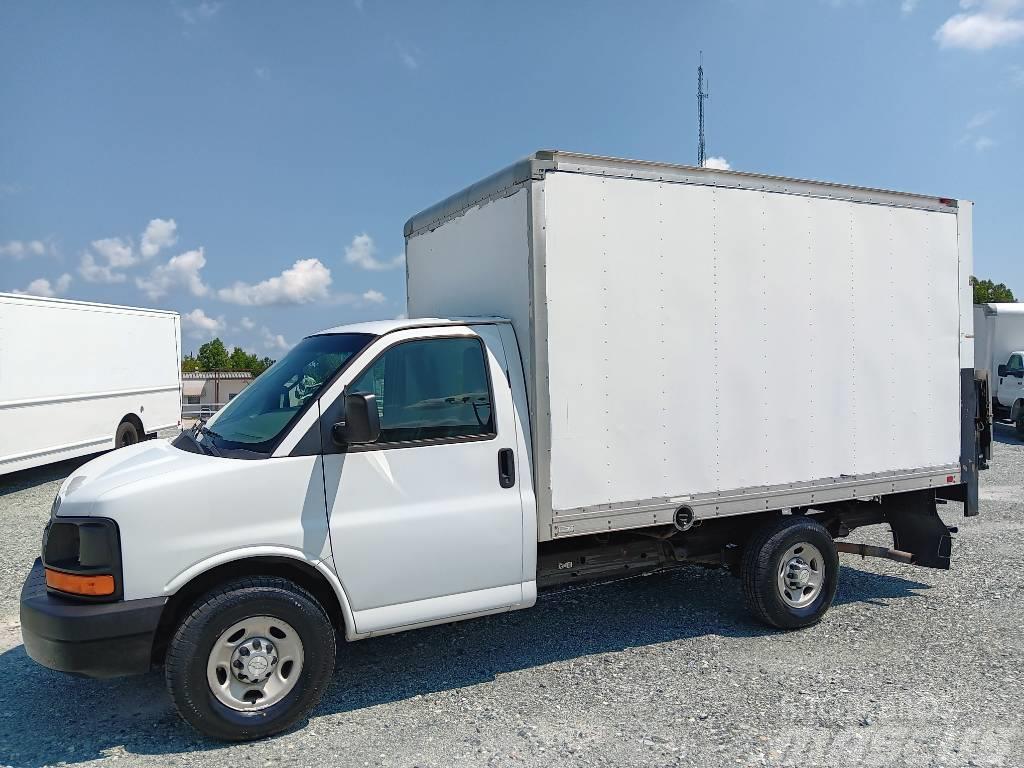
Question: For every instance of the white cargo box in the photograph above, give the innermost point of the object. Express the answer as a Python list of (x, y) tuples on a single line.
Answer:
[(727, 341)]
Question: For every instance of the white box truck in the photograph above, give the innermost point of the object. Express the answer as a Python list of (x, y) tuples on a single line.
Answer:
[(619, 367), (78, 377), (999, 353)]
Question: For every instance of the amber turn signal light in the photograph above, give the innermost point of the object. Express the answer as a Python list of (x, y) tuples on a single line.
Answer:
[(93, 586)]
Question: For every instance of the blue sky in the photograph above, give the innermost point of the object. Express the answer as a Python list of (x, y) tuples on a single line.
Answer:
[(224, 159)]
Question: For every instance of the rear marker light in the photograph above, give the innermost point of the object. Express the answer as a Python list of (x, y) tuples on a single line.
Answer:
[(93, 586), (949, 478)]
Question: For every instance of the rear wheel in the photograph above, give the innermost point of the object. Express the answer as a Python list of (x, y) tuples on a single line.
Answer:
[(127, 434), (251, 660), (790, 569)]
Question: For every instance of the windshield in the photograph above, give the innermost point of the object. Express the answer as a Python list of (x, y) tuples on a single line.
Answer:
[(261, 412)]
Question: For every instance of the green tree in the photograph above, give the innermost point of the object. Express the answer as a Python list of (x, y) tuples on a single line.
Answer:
[(213, 356), (189, 364), (241, 360), (986, 292)]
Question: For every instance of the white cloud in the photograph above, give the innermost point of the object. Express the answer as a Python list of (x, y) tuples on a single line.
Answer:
[(305, 281), (200, 325), (982, 143), (93, 272), (247, 323), (374, 297), (181, 271), (159, 234), (42, 287), (195, 14), (1017, 75), (408, 59), (263, 73), (274, 341), (19, 249), (907, 7), (987, 24), (980, 119), (362, 252), (117, 252), (717, 163)]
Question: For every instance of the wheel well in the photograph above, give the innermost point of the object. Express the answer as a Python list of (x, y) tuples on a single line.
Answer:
[(302, 574), (132, 418)]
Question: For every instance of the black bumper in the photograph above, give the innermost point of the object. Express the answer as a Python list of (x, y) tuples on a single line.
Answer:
[(92, 639)]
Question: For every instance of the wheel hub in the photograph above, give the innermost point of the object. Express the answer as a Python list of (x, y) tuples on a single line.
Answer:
[(798, 573), (253, 661), (801, 574)]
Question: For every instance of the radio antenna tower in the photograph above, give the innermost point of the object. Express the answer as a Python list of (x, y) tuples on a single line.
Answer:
[(701, 95)]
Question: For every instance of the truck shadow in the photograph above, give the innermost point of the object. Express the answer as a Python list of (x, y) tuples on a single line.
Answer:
[(48, 473), (47, 717)]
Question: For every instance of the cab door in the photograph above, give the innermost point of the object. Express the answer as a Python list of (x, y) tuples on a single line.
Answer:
[(426, 523), (1011, 386)]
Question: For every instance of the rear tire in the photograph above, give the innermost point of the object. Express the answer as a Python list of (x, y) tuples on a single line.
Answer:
[(127, 434), (270, 624), (790, 572)]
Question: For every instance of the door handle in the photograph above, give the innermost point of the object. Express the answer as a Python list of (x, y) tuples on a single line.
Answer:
[(506, 468)]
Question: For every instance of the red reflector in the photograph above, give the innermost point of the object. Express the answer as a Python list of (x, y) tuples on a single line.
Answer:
[(949, 478), (948, 201)]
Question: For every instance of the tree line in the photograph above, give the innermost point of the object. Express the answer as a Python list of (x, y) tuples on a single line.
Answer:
[(987, 292), (214, 356)]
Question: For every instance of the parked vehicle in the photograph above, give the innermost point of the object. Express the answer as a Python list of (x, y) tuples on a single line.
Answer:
[(78, 378), (999, 351), (618, 367)]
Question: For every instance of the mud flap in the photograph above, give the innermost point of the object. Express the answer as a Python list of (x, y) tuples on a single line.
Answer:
[(917, 528)]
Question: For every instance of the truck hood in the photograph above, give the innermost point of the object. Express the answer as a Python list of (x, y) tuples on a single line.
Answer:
[(126, 466)]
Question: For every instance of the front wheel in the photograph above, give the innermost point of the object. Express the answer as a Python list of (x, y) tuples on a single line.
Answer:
[(251, 659), (1020, 423), (790, 571)]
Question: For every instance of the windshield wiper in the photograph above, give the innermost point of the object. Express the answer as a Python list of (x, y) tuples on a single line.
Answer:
[(202, 429)]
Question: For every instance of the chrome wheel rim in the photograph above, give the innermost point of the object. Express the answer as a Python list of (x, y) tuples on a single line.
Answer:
[(254, 663), (801, 574)]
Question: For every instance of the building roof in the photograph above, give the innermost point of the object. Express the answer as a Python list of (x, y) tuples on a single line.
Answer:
[(203, 375)]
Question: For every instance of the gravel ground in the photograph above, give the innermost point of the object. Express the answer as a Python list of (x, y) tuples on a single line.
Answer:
[(910, 667)]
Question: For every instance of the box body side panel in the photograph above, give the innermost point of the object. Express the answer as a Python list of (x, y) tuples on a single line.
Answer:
[(703, 340)]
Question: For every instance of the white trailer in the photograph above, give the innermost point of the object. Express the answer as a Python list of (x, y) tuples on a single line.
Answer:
[(620, 367), (999, 352), (78, 377)]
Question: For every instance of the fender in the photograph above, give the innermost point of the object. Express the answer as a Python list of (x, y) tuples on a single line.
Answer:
[(247, 553)]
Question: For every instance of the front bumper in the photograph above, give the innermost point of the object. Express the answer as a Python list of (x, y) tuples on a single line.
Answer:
[(91, 639)]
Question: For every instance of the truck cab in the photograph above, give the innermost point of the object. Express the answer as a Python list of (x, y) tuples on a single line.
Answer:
[(398, 449), (1009, 394)]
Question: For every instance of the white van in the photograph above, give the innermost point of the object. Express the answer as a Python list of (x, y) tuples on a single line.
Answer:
[(621, 367), (999, 351), (78, 377)]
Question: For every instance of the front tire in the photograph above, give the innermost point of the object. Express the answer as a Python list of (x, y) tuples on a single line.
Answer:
[(251, 659), (1020, 423), (790, 571)]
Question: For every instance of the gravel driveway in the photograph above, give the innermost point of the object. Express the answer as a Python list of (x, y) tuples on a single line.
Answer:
[(910, 667)]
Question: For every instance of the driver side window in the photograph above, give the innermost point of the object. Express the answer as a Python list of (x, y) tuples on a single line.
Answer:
[(1016, 364), (431, 389)]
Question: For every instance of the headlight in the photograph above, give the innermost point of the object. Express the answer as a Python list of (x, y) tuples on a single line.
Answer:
[(82, 557)]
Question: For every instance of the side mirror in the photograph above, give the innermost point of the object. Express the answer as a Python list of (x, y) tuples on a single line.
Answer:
[(362, 422), (1001, 370)]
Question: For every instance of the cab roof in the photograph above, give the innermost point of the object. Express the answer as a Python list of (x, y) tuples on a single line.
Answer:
[(380, 327)]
